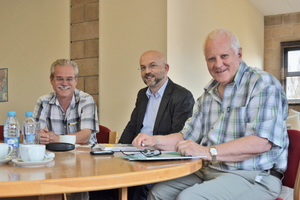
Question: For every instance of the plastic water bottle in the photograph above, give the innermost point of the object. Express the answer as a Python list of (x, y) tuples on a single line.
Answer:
[(12, 133), (28, 129)]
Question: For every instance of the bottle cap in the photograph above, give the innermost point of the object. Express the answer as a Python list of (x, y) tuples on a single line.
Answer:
[(28, 114), (11, 113)]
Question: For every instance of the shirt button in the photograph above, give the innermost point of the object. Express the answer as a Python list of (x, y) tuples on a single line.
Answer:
[(64, 126)]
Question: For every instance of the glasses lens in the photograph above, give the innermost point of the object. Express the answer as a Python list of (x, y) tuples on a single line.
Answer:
[(150, 152), (156, 152), (128, 154), (60, 79)]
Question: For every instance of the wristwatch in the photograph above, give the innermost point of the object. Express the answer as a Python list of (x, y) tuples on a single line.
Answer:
[(213, 152)]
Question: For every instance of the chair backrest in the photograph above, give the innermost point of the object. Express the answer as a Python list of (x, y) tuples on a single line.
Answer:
[(1, 132), (297, 185), (105, 135), (293, 158), (292, 174)]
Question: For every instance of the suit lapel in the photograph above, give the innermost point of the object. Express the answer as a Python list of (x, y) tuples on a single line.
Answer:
[(163, 104)]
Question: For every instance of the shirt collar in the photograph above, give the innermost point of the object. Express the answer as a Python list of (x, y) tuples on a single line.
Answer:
[(75, 98), (160, 92), (240, 73)]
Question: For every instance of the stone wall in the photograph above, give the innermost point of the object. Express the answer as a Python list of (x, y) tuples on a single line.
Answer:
[(85, 44), (279, 28)]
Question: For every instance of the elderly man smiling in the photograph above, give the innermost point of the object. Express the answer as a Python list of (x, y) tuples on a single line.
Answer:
[(238, 123), (66, 110)]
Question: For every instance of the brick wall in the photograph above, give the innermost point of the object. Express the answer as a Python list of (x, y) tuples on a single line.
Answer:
[(279, 28), (84, 44)]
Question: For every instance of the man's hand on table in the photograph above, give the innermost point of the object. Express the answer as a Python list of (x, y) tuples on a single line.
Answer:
[(191, 148), (48, 137), (145, 139)]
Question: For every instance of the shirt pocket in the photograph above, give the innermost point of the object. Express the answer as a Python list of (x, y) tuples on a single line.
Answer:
[(73, 127), (235, 121)]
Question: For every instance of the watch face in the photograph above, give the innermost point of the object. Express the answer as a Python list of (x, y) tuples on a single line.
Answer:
[(213, 151)]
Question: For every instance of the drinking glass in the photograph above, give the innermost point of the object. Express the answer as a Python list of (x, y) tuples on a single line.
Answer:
[(37, 132)]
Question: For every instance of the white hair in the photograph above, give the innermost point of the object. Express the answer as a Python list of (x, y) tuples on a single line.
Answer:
[(234, 41), (63, 62)]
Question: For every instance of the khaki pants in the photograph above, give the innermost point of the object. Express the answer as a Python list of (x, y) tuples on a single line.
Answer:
[(213, 184)]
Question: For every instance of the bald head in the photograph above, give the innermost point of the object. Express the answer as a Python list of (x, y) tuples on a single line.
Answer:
[(154, 69), (154, 55)]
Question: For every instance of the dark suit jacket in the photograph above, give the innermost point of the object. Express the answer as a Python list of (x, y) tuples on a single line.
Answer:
[(175, 108)]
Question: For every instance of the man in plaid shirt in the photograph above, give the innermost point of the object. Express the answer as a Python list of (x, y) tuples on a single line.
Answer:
[(66, 110), (238, 124)]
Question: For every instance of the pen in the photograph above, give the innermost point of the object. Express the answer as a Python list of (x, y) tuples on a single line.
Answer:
[(93, 146), (70, 124)]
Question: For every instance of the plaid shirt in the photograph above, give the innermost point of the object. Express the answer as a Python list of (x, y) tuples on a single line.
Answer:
[(81, 114), (253, 104)]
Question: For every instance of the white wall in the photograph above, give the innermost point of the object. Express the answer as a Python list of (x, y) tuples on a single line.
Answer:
[(190, 21), (33, 34), (130, 27)]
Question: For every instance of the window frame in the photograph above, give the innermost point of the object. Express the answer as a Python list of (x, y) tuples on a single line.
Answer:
[(285, 48)]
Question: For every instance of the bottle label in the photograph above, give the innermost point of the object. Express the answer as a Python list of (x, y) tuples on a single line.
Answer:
[(12, 141), (30, 138)]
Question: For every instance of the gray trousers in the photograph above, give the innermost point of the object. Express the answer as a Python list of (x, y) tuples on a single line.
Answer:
[(212, 184)]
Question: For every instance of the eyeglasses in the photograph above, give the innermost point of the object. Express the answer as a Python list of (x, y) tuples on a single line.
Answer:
[(145, 152), (151, 152), (69, 79), (151, 67)]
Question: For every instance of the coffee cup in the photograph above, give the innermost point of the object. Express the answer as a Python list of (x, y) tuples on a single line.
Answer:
[(4, 153), (68, 139), (32, 153)]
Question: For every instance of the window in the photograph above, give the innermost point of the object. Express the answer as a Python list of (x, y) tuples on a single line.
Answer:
[(290, 68)]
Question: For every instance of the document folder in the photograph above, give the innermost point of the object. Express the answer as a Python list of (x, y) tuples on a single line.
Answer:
[(173, 155)]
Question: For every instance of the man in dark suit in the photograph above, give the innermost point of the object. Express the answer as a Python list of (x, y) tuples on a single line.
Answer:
[(162, 107)]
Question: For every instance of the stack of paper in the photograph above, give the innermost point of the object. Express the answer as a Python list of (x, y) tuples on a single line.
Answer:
[(120, 147)]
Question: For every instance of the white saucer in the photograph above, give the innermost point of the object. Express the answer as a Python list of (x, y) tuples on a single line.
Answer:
[(5, 161), (32, 164)]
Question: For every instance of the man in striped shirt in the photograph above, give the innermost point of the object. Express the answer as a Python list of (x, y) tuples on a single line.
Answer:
[(238, 124)]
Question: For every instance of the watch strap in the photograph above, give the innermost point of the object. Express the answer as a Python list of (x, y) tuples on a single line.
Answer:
[(214, 156)]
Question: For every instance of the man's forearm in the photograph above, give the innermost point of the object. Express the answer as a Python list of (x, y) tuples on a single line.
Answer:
[(168, 142), (243, 148), (83, 136)]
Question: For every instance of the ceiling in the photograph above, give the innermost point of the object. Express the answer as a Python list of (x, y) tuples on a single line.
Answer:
[(275, 7)]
